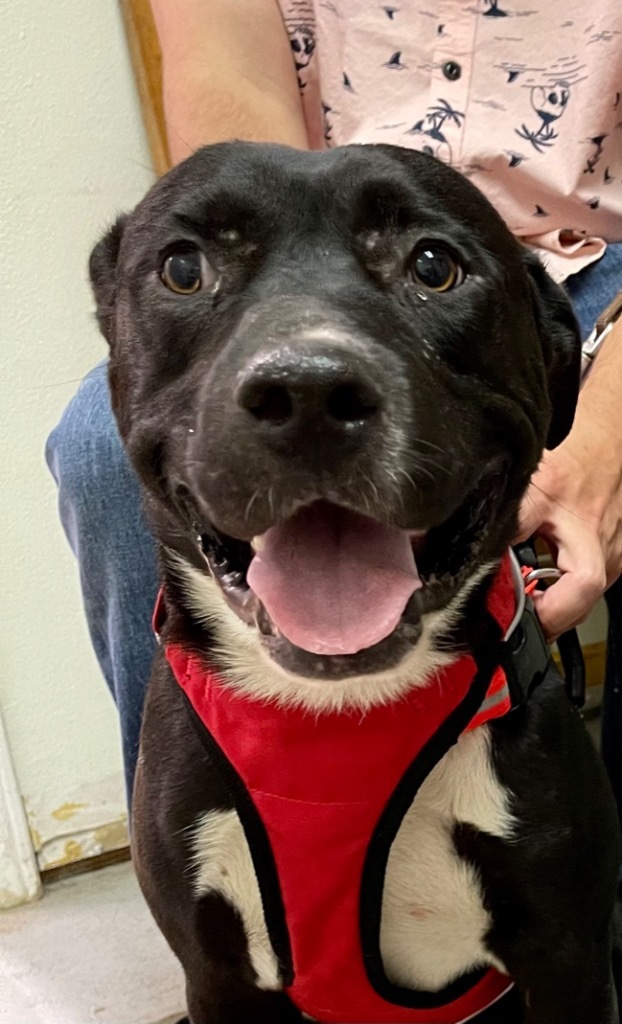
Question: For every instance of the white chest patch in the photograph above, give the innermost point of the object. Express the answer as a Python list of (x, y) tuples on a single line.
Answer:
[(433, 918)]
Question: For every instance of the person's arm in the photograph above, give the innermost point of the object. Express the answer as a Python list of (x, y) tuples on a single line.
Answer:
[(228, 73), (575, 498)]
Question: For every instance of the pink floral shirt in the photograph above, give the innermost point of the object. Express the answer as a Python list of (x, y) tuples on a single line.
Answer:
[(522, 96)]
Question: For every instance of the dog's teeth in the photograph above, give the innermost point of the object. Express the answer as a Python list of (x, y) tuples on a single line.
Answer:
[(258, 543), (263, 622), (233, 579)]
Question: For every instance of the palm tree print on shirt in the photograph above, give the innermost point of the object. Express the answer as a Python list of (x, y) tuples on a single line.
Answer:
[(494, 11), (433, 125)]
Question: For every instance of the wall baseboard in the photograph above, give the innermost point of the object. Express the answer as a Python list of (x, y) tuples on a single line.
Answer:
[(82, 867), (81, 846)]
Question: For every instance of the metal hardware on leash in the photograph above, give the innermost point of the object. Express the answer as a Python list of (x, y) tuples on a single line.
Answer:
[(568, 644), (590, 347), (548, 573)]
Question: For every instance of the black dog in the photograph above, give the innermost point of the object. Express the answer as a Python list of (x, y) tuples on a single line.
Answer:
[(335, 375)]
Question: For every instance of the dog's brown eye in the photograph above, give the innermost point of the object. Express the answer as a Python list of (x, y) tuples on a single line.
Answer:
[(436, 269), (186, 272)]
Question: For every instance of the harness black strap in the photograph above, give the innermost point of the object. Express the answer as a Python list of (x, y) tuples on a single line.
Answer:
[(372, 887), (258, 843)]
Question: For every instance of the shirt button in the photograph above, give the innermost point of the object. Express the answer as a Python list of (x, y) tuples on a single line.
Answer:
[(452, 70)]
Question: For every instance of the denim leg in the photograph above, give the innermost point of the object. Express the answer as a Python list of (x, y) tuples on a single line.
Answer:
[(100, 509), (590, 292), (592, 289)]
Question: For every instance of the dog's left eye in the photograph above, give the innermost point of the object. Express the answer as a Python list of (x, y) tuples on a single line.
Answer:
[(186, 272), (436, 269)]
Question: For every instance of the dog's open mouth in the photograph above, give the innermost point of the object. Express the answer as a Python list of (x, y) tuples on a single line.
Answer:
[(333, 583)]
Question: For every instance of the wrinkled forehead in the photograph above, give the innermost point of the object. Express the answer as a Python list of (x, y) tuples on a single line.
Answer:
[(251, 188)]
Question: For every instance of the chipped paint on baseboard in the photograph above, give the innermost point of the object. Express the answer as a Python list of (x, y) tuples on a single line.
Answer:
[(67, 810), (72, 851), (113, 836), (65, 850), (89, 821), (35, 837)]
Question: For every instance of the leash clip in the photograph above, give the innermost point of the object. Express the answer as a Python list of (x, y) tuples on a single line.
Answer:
[(526, 656), (548, 573), (568, 644)]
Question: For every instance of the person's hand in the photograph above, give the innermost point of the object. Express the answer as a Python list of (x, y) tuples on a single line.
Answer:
[(574, 501)]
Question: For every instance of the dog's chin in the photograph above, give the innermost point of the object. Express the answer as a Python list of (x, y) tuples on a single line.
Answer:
[(447, 558)]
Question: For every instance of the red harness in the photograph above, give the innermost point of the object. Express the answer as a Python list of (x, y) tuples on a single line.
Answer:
[(321, 799)]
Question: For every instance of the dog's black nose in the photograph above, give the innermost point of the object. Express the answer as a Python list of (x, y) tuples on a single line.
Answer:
[(291, 393)]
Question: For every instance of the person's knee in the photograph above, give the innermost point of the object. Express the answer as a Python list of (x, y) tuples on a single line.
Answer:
[(86, 457)]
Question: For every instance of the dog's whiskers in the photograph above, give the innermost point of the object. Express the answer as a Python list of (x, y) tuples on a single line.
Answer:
[(421, 458), (251, 502), (203, 464), (400, 471), (374, 490), (271, 500), (429, 444)]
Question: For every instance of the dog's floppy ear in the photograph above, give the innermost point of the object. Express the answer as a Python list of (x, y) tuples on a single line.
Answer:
[(103, 274), (561, 345)]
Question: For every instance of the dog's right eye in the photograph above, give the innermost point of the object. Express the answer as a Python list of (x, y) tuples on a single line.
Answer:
[(186, 272), (435, 268)]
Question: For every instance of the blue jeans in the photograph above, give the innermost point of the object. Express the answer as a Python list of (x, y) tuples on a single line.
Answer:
[(100, 511)]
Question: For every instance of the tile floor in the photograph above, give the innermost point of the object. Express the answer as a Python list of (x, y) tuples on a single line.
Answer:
[(88, 951)]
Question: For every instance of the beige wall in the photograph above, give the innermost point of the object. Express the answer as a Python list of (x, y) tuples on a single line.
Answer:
[(72, 153)]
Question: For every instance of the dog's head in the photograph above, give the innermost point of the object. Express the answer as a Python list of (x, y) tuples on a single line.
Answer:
[(335, 374)]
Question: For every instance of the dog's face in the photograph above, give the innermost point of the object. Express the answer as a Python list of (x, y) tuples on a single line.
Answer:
[(335, 374)]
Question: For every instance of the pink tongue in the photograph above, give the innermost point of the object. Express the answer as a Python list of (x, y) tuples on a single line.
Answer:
[(332, 581)]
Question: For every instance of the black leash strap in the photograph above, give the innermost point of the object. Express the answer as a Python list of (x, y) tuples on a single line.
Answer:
[(568, 643)]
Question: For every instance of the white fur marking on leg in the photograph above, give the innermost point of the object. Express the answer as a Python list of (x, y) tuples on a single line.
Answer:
[(223, 865)]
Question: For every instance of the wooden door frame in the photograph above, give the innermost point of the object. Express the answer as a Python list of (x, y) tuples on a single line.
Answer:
[(144, 47), (19, 875)]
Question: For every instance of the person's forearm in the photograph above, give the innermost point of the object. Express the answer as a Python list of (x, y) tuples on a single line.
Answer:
[(228, 73), (575, 498), (601, 394), (205, 108)]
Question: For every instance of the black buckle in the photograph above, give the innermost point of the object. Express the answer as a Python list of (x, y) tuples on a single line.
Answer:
[(525, 656)]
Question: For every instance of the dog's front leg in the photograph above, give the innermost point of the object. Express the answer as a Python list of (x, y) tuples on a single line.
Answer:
[(233, 1002), (584, 994)]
